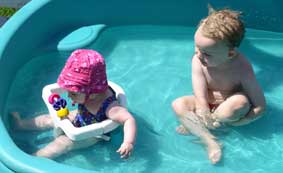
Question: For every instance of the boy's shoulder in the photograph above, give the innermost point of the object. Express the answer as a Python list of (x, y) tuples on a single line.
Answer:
[(243, 66), (243, 60)]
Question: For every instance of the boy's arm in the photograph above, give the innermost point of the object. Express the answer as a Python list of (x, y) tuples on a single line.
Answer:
[(256, 97), (199, 87)]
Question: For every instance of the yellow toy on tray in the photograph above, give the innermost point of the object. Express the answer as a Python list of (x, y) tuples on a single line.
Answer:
[(59, 104)]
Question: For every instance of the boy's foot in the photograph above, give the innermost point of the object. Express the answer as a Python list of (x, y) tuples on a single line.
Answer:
[(182, 130), (214, 152)]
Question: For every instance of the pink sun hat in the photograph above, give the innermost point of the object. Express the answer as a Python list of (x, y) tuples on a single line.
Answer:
[(84, 72)]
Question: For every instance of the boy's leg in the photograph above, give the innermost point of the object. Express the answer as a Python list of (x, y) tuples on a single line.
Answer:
[(184, 108), (232, 109), (197, 127), (181, 106), (40, 122), (63, 144)]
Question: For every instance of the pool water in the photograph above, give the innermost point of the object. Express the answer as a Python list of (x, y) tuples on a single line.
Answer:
[(153, 66)]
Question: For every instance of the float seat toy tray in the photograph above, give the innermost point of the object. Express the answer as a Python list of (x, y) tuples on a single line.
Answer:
[(97, 129)]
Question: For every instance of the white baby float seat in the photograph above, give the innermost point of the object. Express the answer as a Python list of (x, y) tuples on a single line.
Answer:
[(97, 129)]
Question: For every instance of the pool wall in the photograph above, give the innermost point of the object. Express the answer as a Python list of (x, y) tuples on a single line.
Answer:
[(39, 26)]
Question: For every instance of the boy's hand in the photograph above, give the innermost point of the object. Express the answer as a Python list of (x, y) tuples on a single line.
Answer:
[(208, 119), (125, 149), (204, 115)]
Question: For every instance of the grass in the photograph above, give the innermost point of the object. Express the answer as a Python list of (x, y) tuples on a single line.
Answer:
[(7, 11)]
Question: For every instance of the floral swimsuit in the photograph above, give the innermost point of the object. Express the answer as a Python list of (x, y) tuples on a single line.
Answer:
[(84, 117)]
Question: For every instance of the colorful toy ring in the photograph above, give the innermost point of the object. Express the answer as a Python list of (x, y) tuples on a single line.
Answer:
[(53, 97), (59, 104)]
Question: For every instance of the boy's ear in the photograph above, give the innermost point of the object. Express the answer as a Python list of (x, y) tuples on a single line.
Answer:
[(210, 9), (232, 52)]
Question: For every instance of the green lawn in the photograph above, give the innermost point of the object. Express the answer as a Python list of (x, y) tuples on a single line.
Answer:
[(7, 11)]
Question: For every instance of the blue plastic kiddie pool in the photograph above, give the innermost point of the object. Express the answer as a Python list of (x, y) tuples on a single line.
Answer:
[(147, 46)]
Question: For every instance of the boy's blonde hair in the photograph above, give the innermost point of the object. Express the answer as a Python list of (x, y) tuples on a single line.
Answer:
[(224, 25)]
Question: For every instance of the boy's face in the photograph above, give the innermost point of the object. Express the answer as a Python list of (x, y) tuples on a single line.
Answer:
[(211, 53)]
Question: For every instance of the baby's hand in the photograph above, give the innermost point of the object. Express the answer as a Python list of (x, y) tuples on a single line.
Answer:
[(125, 149)]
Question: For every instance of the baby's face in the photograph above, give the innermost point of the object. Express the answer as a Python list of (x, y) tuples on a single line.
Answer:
[(210, 52), (77, 97)]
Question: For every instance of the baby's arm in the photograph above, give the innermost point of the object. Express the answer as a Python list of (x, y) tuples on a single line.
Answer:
[(199, 88), (72, 115), (121, 115), (252, 89)]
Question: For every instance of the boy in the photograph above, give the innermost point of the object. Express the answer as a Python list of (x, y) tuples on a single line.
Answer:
[(224, 84)]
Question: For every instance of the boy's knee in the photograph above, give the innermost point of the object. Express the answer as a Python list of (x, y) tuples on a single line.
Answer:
[(237, 102), (183, 104), (177, 106), (174, 104), (236, 107), (241, 102)]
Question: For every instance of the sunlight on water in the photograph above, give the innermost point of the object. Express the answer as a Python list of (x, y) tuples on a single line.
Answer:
[(152, 64)]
